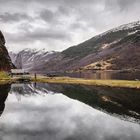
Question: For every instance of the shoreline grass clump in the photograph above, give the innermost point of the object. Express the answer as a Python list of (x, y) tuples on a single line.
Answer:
[(4, 77)]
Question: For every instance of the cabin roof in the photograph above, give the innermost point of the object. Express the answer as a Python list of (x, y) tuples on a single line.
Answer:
[(18, 71)]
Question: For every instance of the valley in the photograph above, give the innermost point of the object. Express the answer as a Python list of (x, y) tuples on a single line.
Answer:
[(69, 70), (116, 51)]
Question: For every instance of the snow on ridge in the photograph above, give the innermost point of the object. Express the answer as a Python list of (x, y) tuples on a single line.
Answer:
[(34, 50), (133, 32), (35, 54), (121, 27), (126, 26)]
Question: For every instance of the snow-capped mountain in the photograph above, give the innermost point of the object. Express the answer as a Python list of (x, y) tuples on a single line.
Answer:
[(116, 49), (30, 59), (125, 27)]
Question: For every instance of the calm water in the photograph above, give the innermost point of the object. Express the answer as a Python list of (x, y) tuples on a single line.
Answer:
[(67, 112), (106, 75)]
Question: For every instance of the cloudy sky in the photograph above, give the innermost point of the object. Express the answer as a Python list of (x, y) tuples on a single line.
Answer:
[(59, 24)]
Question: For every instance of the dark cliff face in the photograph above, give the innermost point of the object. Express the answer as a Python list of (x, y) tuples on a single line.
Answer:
[(5, 61), (4, 90)]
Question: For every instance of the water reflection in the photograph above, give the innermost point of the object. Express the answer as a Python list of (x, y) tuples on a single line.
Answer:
[(4, 90), (120, 102), (91, 74), (46, 113)]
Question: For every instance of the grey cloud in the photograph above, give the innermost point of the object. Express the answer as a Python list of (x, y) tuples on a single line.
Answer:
[(78, 25), (47, 15), (9, 17), (121, 4), (64, 10), (38, 34), (54, 17), (63, 20), (124, 3), (49, 34)]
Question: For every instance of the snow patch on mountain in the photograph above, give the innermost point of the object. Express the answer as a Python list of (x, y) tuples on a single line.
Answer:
[(121, 28), (126, 26), (29, 59)]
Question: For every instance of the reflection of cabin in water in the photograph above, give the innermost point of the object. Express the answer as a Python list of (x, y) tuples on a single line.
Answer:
[(21, 73), (18, 90)]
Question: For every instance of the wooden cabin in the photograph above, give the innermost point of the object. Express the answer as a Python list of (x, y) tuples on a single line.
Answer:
[(19, 72)]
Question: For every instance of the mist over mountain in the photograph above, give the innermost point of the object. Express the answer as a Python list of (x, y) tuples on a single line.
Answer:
[(116, 49)]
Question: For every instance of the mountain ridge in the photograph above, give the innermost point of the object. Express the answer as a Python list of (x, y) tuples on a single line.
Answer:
[(30, 58), (115, 49)]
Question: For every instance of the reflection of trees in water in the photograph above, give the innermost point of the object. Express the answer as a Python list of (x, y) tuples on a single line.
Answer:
[(4, 90)]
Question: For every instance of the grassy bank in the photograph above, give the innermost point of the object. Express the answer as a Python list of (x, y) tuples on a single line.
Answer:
[(111, 83), (4, 79)]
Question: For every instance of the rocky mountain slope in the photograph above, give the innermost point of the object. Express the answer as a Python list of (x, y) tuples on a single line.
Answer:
[(5, 60), (116, 49), (33, 60)]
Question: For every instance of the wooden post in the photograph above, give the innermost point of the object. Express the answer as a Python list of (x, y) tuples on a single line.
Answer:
[(35, 76)]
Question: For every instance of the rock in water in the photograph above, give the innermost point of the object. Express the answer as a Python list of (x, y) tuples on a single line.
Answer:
[(5, 60)]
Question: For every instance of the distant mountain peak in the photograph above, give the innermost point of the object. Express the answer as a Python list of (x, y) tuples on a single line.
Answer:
[(32, 57)]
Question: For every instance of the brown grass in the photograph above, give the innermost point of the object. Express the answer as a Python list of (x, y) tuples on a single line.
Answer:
[(111, 83)]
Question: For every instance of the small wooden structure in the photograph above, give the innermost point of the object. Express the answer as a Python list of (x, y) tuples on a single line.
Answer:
[(19, 72)]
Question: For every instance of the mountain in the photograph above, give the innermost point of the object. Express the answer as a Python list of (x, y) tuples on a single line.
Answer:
[(116, 49), (5, 60), (32, 59)]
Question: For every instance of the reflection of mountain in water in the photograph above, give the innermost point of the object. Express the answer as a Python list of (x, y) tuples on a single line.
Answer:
[(117, 101), (4, 90), (30, 89), (120, 102)]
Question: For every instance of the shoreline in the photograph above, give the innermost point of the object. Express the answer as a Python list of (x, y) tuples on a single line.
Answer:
[(109, 83), (68, 80)]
